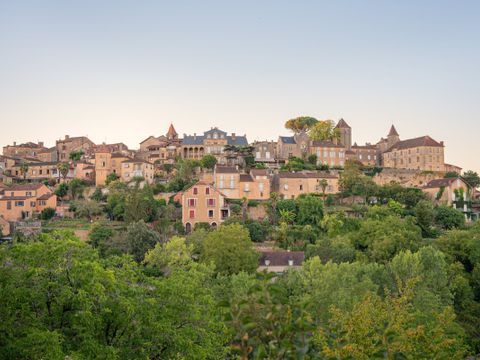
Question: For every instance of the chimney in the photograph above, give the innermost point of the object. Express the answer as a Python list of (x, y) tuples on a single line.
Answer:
[(233, 136), (67, 137), (194, 136), (14, 143), (40, 143)]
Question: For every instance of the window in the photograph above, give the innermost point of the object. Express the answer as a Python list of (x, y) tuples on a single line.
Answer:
[(210, 213), (207, 191), (210, 202), (9, 205), (192, 214), (19, 203), (195, 191), (32, 204), (301, 187), (28, 193), (247, 187), (192, 202), (285, 187), (267, 154), (260, 186)]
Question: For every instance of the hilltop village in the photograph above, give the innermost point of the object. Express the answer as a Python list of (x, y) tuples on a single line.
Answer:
[(225, 167)]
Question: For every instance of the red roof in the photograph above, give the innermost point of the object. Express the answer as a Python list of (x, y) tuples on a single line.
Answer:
[(416, 142), (25, 187)]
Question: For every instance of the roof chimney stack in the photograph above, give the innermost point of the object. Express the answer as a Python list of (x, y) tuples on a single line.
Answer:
[(67, 137)]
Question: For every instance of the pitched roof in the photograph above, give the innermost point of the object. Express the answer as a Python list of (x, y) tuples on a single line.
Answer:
[(416, 142), (288, 139), (366, 146), (281, 258), (46, 196), (342, 124), (25, 187), (393, 131), (246, 178), (437, 183), (305, 175), (193, 140), (259, 172), (226, 169), (171, 131)]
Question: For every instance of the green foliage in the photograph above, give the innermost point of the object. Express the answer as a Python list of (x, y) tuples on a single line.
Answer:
[(111, 177), (62, 190), (302, 123), (208, 161), (451, 174), (258, 231), (230, 250), (425, 217), (324, 130), (77, 187), (381, 240), (471, 178), (99, 234), (449, 218), (265, 326), (63, 169), (139, 239), (86, 209), (59, 300), (310, 210), (98, 195), (46, 214), (76, 155), (312, 159)]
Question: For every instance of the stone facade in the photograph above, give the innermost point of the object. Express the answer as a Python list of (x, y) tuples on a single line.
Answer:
[(203, 203)]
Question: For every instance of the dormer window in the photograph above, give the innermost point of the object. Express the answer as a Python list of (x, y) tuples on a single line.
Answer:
[(215, 135), (267, 262), (290, 262)]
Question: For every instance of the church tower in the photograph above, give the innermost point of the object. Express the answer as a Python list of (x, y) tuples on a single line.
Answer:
[(345, 133), (392, 137)]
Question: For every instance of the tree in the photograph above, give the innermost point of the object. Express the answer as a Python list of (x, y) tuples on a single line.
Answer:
[(173, 255), (380, 240), (425, 216), (63, 169), (324, 130), (86, 209), (77, 187), (140, 204), (99, 234), (230, 249), (312, 159), (208, 161), (46, 214), (76, 155), (62, 190), (323, 185), (111, 177), (140, 238), (449, 218), (299, 124), (310, 211), (24, 169), (472, 178), (98, 195), (388, 328)]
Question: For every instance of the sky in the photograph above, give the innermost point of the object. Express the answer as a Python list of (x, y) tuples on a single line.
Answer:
[(119, 71)]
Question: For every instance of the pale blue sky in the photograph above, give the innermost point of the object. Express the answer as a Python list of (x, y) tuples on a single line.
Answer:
[(123, 70)]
